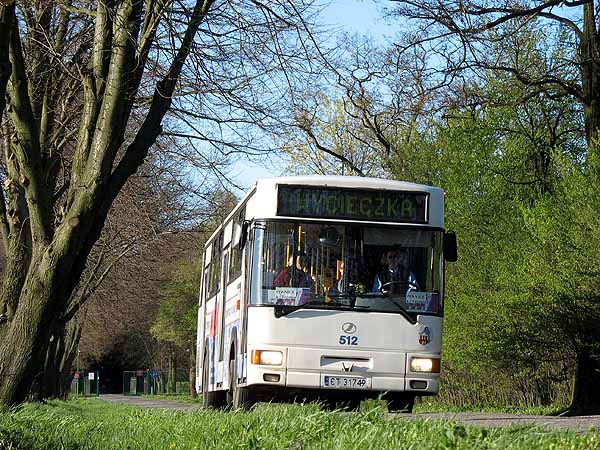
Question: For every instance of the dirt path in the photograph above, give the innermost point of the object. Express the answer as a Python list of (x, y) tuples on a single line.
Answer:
[(580, 424)]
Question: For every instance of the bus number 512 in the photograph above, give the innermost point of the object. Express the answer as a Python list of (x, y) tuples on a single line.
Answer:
[(348, 340)]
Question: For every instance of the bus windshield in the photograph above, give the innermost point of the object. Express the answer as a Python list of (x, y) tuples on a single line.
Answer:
[(362, 267)]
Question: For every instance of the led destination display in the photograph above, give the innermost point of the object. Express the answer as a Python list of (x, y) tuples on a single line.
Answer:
[(330, 203)]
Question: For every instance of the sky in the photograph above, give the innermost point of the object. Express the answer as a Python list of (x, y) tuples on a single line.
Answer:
[(357, 16), (351, 16)]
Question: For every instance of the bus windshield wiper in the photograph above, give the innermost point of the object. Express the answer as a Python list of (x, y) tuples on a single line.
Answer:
[(335, 300), (385, 295), (284, 310), (397, 304)]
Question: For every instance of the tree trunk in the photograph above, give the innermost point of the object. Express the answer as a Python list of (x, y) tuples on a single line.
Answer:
[(15, 271), (66, 364), (172, 372), (17, 236), (586, 395), (192, 370), (25, 345), (50, 388), (57, 374), (589, 54), (6, 19)]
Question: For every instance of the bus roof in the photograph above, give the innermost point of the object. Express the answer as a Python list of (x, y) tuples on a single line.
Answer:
[(261, 200), (347, 182)]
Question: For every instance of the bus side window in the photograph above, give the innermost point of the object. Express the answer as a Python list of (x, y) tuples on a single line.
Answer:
[(204, 291), (235, 263), (210, 288), (204, 273), (214, 281)]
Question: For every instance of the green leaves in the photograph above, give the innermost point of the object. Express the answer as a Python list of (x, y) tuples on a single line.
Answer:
[(176, 320)]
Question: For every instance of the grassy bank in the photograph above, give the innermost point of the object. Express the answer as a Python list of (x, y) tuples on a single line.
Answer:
[(435, 404), (92, 424), (422, 405)]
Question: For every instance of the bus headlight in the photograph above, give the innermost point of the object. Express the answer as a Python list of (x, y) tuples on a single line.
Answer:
[(431, 365), (267, 357)]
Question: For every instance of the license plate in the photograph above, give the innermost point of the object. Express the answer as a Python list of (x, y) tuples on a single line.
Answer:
[(334, 382)]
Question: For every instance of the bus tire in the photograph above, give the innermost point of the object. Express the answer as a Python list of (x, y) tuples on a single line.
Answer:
[(240, 397), (209, 399), (399, 402)]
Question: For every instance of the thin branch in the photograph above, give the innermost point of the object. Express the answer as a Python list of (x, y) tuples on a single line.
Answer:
[(161, 102), (306, 128), (93, 283)]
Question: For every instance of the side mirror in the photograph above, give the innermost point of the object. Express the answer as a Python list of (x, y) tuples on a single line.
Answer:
[(450, 247), (244, 233)]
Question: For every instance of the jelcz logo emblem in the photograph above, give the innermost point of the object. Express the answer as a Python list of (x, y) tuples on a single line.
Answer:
[(349, 328)]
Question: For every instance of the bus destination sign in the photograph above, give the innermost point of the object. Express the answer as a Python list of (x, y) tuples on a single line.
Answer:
[(352, 204)]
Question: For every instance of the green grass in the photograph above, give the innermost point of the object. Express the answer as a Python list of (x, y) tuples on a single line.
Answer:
[(93, 424), (181, 398), (431, 404), (424, 405)]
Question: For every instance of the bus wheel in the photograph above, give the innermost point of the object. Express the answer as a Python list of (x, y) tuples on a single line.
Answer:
[(239, 397), (399, 402), (209, 399)]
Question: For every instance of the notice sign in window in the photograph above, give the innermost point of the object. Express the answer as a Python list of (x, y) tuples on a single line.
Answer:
[(352, 204)]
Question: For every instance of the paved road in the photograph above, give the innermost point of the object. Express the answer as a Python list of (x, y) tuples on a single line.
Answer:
[(149, 402), (579, 424)]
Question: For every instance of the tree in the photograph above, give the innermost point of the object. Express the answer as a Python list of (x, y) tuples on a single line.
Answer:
[(380, 100), (498, 147), (563, 263), (116, 321), (176, 321), (524, 287), (149, 224), (329, 142), (177, 317), (491, 322), (88, 93), (551, 50), (466, 36)]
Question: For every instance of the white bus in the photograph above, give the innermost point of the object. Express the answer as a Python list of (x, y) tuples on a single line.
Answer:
[(326, 288)]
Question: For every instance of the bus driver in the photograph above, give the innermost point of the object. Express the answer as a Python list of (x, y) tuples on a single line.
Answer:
[(394, 270)]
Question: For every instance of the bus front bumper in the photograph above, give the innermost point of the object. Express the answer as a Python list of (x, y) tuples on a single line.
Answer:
[(370, 371)]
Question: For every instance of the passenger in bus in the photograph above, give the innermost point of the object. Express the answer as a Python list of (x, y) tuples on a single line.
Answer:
[(298, 277), (347, 283), (339, 285), (395, 272)]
